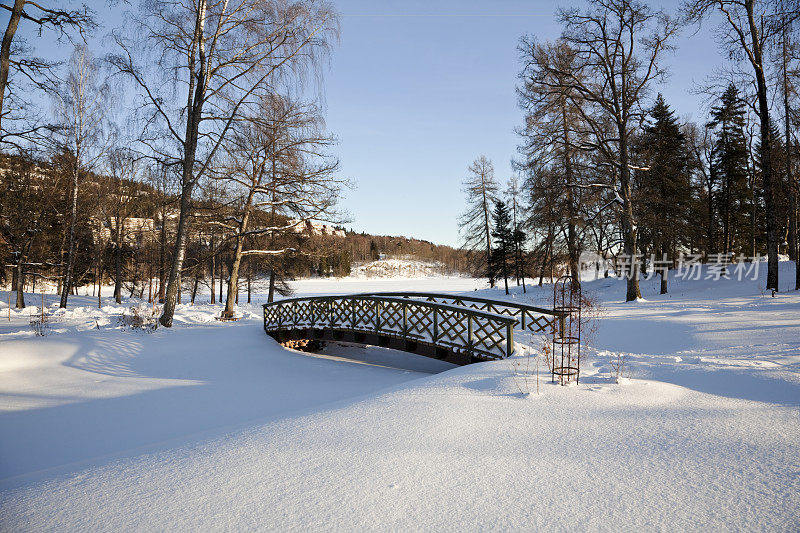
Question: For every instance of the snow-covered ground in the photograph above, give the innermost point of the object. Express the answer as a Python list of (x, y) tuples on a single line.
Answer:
[(214, 426)]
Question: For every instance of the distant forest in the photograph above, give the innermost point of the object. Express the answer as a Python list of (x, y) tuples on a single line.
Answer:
[(609, 175), (141, 215)]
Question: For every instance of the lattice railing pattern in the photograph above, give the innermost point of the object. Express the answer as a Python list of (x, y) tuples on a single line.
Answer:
[(529, 318), (464, 328)]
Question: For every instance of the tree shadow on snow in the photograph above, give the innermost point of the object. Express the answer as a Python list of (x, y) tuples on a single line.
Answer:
[(197, 383)]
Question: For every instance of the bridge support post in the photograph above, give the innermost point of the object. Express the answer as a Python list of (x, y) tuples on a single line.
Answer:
[(405, 321), (509, 340), (469, 334), (435, 325)]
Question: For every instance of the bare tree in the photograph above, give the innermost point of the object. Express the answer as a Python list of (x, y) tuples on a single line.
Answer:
[(748, 28), (554, 134), (475, 223), (617, 46), (82, 105), (224, 56), (14, 57), (513, 193), (119, 203), (787, 58), (279, 166)]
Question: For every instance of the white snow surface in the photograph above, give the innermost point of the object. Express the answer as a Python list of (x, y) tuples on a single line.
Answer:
[(215, 426), (398, 268)]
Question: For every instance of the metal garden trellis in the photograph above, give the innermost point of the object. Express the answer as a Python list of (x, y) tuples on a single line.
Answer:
[(567, 337)]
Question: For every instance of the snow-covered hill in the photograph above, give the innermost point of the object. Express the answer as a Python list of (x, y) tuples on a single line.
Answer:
[(398, 268), (213, 426)]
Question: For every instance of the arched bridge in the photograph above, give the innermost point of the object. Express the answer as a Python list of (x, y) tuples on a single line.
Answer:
[(459, 329)]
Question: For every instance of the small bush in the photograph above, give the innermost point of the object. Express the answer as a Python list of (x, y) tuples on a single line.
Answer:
[(140, 318)]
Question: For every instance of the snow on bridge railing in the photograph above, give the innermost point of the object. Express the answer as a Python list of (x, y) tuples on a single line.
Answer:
[(477, 333)]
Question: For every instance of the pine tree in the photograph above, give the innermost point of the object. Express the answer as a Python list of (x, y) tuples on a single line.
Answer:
[(729, 164), (664, 191), (502, 256), (519, 237)]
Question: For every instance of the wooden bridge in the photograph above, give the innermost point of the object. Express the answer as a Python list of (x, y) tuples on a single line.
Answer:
[(459, 329)]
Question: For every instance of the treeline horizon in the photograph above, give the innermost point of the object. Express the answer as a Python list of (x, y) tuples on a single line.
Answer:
[(145, 218)]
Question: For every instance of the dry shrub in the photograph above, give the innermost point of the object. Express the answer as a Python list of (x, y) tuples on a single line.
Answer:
[(140, 318)]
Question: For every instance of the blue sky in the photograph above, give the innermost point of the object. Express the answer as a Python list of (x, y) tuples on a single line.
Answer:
[(416, 90)]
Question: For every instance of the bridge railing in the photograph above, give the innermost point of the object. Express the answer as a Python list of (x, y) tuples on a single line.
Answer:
[(474, 332), (529, 318)]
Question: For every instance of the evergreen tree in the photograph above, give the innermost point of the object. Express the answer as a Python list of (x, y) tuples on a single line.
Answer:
[(519, 237), (729, 164), (664, 191), (501, 258)]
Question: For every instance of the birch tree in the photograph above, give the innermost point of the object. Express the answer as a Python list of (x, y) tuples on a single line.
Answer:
[(277, 162), (82, 106), (220, 57)]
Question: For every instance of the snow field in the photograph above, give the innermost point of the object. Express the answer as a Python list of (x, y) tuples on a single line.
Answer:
[(214, 426)]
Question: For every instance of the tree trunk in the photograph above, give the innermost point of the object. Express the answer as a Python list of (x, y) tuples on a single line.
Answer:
[(547, 246), (162, 257), (173, 286), (487, 228), (5, 50), (753, 219), (195, 285), (71, 246), (628, 222), (794, 252), (710, 206), (213, 271), (505, 271), (118, 264), (271, 293), (195, 102), (99, 280), (20, 282), (726, 221), (233, 280), (766, 152), (572, 248)]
